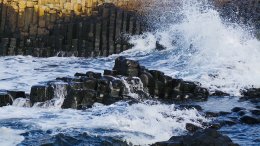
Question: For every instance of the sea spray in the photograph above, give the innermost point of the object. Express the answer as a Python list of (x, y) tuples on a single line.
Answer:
[(202, 47), (140, 123)]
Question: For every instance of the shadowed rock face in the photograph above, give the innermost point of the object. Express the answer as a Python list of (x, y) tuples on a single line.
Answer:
[(83, 29), (7, 97), (127, 77), (205, 137)]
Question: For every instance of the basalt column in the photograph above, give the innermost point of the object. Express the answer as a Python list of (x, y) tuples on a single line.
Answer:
[(84, 28)]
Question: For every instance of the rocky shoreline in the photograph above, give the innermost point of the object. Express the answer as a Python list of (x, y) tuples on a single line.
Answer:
[(128, 77)]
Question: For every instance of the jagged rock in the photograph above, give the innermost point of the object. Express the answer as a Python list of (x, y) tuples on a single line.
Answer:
[(80, 99), (251, 93), (158, 84), (249, 119), (126, 67), (110, 72), (147, 79), (219, 93), (192, 128), (205, 137), (89, 83), (159, 46), (16, 94), (91, 74), (41, 93), (5, 99), (69, 79), (111, 88), (255, 112), (212, 114), (242, 113), (237, 109), (79, 140)]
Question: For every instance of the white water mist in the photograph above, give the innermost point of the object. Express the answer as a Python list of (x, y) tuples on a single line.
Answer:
[(202, 46)]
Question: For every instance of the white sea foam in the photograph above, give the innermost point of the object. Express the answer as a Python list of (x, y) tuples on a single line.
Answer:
[(142, 123), (10, 137), (203, 47), (21, 72)]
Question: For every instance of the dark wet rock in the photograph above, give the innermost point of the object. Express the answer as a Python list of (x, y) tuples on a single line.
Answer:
[(110, 72), (16, 94), (255, 112), (127, 67), (205, 137), (215, 126), (249, 119), (5, 99), (219, 93), (237, 109), (160, 46), (242, 113), (147, 79), (91, 74), (68, 79), (192, 128), (41, 93), (258, 107), (80, 99), (212, 114), (78, 140), (126, 77), (251, 93), (228, 122), (89, 83), (160, 85)]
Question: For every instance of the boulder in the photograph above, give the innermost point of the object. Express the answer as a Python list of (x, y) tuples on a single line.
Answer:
[(249, 119), (255, 112), (41, 93), (16, 94), (237, 109), (126, 67), (80, 99), (192, 128), (205, 137), (251, 93), (5, 99)]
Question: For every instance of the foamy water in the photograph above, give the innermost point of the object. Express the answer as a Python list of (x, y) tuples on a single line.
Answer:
[(143, 123), (203, 47), (10, 137)]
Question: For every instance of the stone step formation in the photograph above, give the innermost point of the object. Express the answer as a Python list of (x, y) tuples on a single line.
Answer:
[(128, 80), (85, 28), (128, 77)]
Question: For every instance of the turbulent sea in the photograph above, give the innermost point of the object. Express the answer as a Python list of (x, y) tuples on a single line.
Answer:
[(201, 46)]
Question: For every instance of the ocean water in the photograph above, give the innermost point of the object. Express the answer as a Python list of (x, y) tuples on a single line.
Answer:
[(199, 46)]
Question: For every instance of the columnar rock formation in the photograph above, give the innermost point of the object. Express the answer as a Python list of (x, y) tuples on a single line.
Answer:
[(84, 28), (126, 78), (245, 11)]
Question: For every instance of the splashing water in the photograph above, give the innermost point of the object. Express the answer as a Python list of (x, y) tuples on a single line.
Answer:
[(203, 47), (142, 123)]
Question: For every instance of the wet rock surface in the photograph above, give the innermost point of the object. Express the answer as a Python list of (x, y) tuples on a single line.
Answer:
[(128, 80), (7, 97), (200, 138), (127, 76)]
